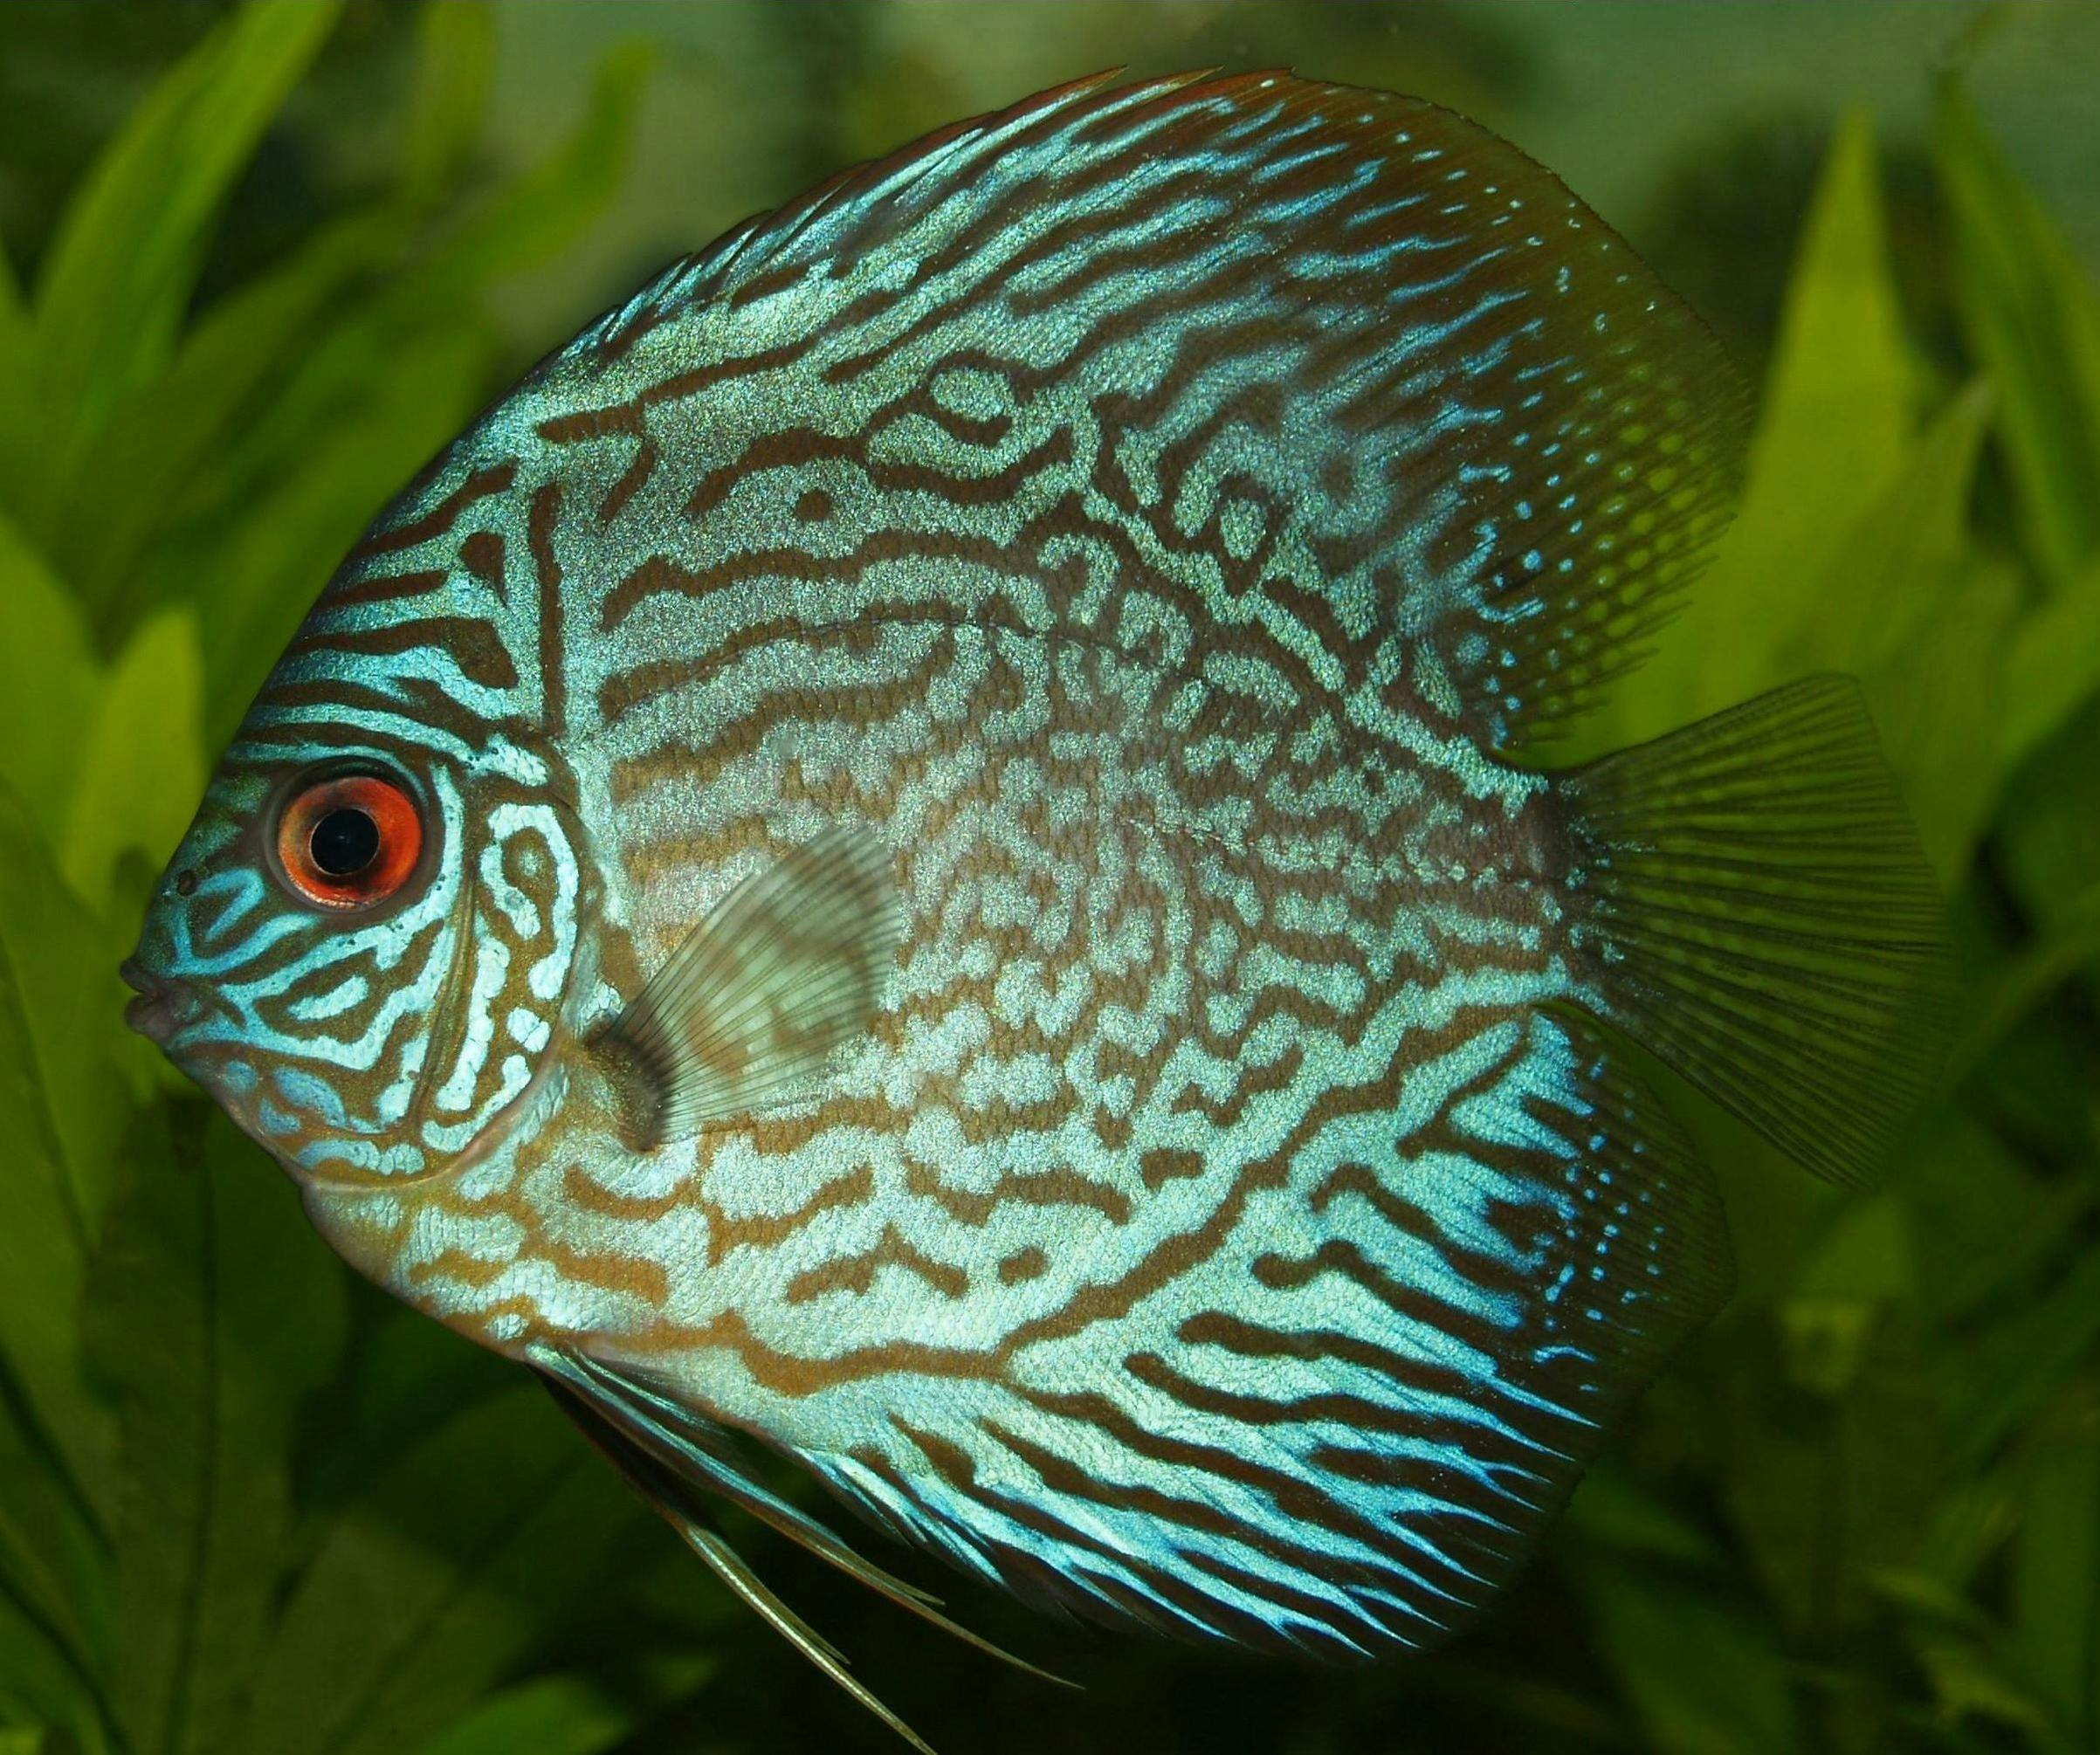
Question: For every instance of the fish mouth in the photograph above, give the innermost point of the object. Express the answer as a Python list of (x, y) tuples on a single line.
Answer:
[(161, 1006)]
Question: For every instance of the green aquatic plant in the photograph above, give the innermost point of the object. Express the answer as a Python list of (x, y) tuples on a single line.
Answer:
[(245, 1506), (174, 481)]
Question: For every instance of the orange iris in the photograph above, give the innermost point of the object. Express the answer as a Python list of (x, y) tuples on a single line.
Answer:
[(350, 841)]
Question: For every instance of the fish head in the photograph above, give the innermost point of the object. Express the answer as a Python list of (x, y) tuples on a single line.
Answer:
[(369, 944)]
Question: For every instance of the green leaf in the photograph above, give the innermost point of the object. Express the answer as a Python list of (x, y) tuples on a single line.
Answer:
[(558, 1715), (542, 212), (142, 769), (1967, 1683), (1862, 1261), (119, 274), (375, 397), (2032, 320), (1832, 436), (2020, 1363), (1704, 1679), (17, 367), (49, 681), (1904, 604), (43, 1269), (50, 1612), (39, 1683), (166, 440), (1615, 1510), (455, 70), (492, 1530), (1936, 704), (14, 317), (1896, 563), (262, 577), (2051, 667), (1982, 1223), (215, 1312), (2055, 1638), (69, 1005), (2023, 982)]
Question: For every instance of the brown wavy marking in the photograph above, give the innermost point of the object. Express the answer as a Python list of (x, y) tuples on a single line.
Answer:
[(584, 424), (1023, 1265), (460, 1266), (630, 482), (1409, 1419), (647, 862), (634, 1275), (550, 616), (583, 1192), (976, 432), (1062, 1188), (1495, 1275), (638, 684), (726, 1233), (1172, 1257), (1162, 1164), (792, 449), (1417, 1378), (482, 554), (1339, 1255), (795, 1375), (781, 278), (1302, 1504), (469, 643), (659, 577), (482, 484), (389, 588), (483, 1323), (855, 1274), (986, 1124)]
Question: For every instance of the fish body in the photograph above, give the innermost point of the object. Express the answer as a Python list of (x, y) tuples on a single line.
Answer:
[(982, 907)]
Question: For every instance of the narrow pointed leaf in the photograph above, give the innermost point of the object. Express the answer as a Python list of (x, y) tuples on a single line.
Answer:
[(1834, 432), (455, 1562), (49, 680), (142, 768), (216, 1311), (2032, 318), (119, 275)]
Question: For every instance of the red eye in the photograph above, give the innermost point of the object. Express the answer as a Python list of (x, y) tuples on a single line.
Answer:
[(350, 840)]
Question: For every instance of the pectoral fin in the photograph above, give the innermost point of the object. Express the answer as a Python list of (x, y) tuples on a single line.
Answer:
[(748, 1011)]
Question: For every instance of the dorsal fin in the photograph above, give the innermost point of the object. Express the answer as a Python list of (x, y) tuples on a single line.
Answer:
[(1353, 367)]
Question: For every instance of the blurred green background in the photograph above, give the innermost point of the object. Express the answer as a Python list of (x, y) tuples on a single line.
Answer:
[(259, 263)]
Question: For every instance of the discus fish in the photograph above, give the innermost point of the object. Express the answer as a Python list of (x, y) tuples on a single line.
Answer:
[(928, 847)]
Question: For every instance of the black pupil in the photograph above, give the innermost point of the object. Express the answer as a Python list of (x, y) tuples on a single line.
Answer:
[(345, 842)]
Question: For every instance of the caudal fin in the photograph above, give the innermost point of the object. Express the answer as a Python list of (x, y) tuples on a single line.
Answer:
[(1753, 906)]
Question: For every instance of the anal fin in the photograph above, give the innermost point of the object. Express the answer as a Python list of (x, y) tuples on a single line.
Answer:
[(673, 1456)]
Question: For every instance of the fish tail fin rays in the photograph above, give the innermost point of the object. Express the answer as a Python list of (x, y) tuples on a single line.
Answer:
[(672, 1458), (1359, 1437), (1753, 906)]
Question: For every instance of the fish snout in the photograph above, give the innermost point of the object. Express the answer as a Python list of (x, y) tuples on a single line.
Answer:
[(163, 1005)]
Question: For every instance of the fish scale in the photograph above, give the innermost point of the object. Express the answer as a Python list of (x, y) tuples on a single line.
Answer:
[(990, 916)]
